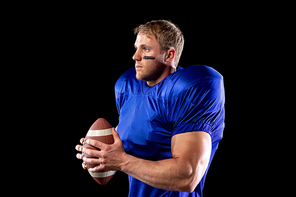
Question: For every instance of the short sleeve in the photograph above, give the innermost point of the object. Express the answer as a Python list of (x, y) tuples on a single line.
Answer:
[(125, 85), (199, 107)]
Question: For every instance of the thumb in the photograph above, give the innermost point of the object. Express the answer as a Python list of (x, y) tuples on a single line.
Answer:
[(115, 135)]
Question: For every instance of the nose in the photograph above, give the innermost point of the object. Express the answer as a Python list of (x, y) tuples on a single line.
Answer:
[(137, 56)]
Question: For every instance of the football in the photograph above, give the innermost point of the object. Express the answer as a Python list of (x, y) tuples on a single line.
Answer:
[(100, 130)]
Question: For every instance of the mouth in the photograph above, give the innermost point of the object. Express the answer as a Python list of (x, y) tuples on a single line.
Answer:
[(138, 67)]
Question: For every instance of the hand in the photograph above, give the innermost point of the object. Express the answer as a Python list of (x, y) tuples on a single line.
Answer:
[(110, 156), (80, 155)]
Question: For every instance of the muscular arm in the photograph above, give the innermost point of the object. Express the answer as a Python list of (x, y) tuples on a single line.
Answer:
[(191, 153)]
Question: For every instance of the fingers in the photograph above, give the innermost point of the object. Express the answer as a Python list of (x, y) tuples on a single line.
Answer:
[(93, 161), (79, 148), (98, 168), (97, 162), (96, 143), (87, 151), (79, 156), (84, 166), (91, 152), (93, 156)]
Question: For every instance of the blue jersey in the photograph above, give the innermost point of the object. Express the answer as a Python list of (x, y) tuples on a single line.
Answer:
[(190, 99)]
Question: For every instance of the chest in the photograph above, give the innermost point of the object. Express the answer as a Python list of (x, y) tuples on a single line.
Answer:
[(143, 127)]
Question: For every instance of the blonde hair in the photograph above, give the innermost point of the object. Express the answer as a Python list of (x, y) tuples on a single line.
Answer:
[(167, 35)]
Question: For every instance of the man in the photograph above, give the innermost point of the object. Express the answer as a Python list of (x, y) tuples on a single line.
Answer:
[(170, 119)]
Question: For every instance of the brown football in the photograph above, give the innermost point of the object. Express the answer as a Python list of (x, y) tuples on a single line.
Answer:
[(100, 130)]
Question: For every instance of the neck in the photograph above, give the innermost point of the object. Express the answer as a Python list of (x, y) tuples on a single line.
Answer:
[(173, 69)]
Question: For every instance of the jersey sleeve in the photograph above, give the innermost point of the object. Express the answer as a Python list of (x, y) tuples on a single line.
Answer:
[(199, 107), (125, 85), (119, 96)]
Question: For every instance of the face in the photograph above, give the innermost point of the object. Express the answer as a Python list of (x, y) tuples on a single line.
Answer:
[(150, 70)]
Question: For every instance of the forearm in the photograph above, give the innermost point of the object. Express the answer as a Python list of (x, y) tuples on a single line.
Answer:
[(168, 174), (183, 172)]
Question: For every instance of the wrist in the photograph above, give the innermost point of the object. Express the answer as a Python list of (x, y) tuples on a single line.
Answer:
[(126, 163)]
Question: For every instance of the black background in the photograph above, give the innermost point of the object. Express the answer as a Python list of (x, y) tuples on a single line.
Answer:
[(79, 53), (104, 51)]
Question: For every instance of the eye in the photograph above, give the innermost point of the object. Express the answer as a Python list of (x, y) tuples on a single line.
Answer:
[(145, 49)]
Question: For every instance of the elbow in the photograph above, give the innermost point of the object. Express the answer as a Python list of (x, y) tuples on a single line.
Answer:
[(189, 182), (191, 179), (191, 186), (187, 189), (187, 186), (189, 176)]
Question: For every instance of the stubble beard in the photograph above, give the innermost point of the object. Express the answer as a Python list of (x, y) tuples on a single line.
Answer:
[(151, 74)]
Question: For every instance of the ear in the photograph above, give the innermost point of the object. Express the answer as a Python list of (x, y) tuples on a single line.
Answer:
[(170, 55)]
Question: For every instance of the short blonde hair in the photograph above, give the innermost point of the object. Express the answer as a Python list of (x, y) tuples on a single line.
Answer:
[(167, 35)]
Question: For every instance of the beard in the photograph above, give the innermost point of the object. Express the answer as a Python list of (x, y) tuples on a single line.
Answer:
[(150, 72)]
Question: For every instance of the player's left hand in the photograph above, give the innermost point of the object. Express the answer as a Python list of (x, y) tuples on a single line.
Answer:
[(110, 156)]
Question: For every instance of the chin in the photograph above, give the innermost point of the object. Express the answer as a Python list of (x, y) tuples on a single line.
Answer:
[(139, 77)]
